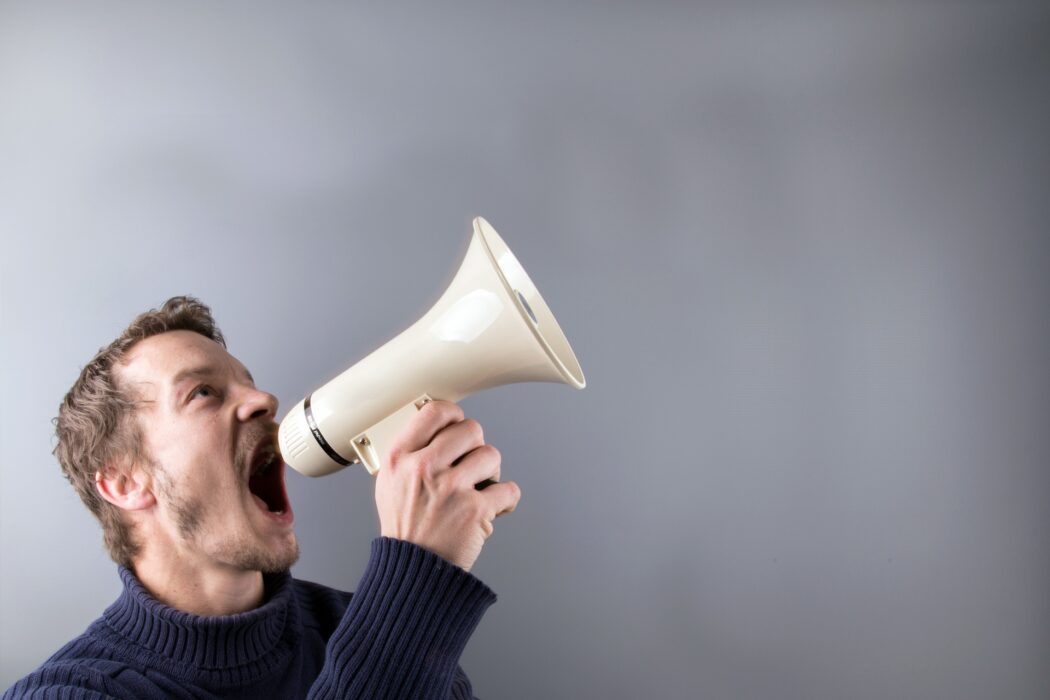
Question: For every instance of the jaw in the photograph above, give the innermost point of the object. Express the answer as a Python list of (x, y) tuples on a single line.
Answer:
[(221, 528)]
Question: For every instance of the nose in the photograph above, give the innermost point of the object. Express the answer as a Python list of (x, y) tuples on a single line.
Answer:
[(257, 404)]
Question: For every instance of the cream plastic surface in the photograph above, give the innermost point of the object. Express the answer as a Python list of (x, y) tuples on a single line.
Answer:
[(490, 327)]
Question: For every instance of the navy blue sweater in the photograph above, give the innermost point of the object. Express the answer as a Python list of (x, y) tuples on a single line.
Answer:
[(399, 636)]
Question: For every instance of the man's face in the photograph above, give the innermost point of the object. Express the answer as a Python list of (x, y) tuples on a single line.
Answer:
[(210, 437)]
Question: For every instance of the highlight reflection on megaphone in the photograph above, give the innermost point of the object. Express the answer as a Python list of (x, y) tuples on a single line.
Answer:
[(490, 327)]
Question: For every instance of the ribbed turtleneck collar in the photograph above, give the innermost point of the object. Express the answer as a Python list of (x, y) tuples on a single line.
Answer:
[(231, 648)]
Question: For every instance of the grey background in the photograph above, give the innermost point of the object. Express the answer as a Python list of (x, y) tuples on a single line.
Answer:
[(800, 249)]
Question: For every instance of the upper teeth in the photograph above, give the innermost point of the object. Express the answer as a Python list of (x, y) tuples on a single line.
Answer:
[(265, 462)]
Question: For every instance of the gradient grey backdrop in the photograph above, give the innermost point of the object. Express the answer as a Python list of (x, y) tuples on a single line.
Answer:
[(800, 249)]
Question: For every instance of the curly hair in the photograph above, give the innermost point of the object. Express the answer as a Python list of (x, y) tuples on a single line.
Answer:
[(95, 427)]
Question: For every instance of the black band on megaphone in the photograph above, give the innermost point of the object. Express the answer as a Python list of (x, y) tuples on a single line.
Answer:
[(336, 457)]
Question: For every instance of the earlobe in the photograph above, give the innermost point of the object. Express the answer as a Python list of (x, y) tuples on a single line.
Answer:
[(126, 489)]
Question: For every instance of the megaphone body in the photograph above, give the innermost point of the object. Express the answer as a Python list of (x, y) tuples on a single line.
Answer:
[(490, 327)]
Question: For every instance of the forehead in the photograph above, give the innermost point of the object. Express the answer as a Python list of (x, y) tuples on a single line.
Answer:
[(160, 358)]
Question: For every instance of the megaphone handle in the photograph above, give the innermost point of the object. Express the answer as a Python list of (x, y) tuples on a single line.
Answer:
[(370, 444)]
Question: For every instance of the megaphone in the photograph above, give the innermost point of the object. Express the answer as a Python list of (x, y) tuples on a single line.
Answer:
[(490, 327)]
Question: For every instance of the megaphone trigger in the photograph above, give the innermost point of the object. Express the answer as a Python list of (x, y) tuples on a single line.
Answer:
[(372, 445)]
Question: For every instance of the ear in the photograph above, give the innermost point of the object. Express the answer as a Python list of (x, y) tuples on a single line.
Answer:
[(128, 489)]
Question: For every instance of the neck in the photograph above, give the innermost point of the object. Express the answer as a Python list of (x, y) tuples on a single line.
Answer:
[(198, 588)]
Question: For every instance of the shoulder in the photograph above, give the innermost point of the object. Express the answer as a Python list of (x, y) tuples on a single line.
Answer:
[(86, 667), (92, 679)]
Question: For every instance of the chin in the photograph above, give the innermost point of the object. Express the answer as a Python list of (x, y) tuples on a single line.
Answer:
[(258, 557), (280, 559)]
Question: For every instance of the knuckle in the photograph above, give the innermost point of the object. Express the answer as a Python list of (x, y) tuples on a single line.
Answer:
[(452, 410), (441, 411), (475, 429)]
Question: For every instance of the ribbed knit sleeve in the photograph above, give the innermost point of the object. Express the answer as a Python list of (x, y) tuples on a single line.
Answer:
[(405, 628)]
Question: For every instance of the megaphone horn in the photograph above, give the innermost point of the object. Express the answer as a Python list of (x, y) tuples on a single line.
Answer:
[(490, 327)]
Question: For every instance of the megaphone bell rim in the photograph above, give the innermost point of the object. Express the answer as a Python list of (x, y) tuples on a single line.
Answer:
[(565, 360)]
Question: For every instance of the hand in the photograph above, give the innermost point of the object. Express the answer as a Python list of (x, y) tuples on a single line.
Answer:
[(426, 492)]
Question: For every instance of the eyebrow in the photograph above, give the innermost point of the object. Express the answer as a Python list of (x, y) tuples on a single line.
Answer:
[(192, 372), (202, 371)]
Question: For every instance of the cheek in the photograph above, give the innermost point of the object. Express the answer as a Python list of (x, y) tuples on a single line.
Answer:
[(215, 485), (198, 481)]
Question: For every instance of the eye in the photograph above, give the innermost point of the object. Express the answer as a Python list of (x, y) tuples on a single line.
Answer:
[(203, 391)]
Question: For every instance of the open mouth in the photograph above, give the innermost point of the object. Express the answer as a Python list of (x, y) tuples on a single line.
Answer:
[(266, 482)]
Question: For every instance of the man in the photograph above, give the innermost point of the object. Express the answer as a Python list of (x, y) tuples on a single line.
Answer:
[(173, 448)]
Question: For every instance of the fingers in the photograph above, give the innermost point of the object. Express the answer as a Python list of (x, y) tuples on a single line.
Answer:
[(455, 441), (481, 463), (427, 494), (430, 420), (501, 498)]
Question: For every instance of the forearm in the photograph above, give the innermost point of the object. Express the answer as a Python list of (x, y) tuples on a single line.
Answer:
[(405, 628)]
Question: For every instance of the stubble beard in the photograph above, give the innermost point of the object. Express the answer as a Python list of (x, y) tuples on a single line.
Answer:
[(240, 550), (250, 556)]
